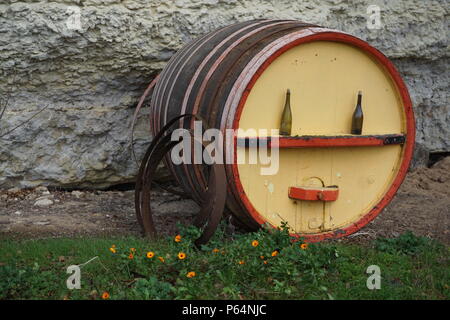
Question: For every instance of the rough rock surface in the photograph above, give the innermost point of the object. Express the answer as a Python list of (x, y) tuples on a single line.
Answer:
[(91, 75)]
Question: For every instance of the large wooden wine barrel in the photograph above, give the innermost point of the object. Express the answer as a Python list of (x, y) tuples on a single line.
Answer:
[(330, 183)]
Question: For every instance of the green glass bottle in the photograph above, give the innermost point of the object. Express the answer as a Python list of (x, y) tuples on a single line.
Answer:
[(286, 117), (358, 117)]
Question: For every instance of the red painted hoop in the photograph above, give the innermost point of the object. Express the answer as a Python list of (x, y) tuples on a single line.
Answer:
[(329, 35)]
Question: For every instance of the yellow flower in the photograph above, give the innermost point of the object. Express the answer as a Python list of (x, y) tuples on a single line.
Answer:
[(161, 259), (150, 254), (191, 274), (112, 249), (304, 246), (275, 253), (105, 295), (131, 256), (181, 255), (215, 250), (241, 262), (178, 238), (255, 243)]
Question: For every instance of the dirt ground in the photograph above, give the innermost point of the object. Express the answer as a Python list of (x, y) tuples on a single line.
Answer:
[(422, 206)]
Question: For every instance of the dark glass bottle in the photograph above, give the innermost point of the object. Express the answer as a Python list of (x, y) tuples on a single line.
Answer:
[(286, 117), (358, 117)]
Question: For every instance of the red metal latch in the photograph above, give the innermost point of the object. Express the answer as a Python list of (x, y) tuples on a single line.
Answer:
[(314, 193)]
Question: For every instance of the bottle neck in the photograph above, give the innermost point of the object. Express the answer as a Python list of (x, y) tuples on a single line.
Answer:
[(287, 103)]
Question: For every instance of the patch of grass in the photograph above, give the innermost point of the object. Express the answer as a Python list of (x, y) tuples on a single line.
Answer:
[(263, 265), (407, 243)]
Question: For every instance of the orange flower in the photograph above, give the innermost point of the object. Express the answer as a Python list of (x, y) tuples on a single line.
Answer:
[(178, 238), (113, 246), (133, 250), (215, 250), (304, 246), (241, 262), (150, 254), (266, 262), (191, 274), (131, 256), (112, 249), (255, 243), (262, 257), (275, 253), (105, 295), (181, 255), (161, 259)]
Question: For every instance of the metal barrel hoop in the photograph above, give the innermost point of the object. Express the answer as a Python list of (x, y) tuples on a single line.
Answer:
[(145, 163), (215, 195)]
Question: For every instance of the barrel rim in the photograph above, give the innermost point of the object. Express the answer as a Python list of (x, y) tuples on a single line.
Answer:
[(323, 34)]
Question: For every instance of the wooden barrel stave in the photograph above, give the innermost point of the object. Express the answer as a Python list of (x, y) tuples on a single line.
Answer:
[(167, 100)]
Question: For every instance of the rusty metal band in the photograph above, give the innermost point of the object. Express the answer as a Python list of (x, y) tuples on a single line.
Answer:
[(198, 183), (172, 71), (197, 177), (145, 163), (172, 65), (178, 63), (196, 188), (163, 146), (211, 213), (193, 174)]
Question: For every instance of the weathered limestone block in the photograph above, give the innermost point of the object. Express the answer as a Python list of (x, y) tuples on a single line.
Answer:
[(91, 74)]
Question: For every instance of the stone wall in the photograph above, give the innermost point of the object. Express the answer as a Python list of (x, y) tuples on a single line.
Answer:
[(90, 78)]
